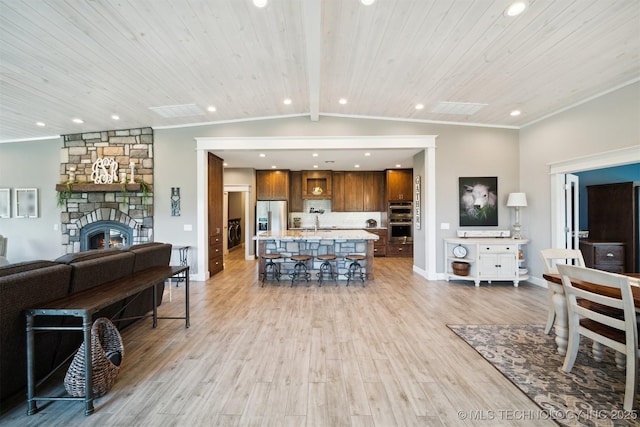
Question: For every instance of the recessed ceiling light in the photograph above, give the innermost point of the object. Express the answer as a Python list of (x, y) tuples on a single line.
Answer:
[(367, 2), (274, 167), (115, 117), (342, 101), (315, 154), (356, 166), (262, 155), (211, 109), (41, 124), (260, 3), (225, 164), (419, 106), (398, 165), (315, 166), (515, 113), (367, 154), (79, 121), (516, 8), (287, 101)]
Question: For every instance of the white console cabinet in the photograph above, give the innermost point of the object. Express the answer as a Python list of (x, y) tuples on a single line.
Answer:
[(488, 258)]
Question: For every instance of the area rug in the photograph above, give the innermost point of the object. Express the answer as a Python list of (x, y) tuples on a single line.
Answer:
[(590, 395)]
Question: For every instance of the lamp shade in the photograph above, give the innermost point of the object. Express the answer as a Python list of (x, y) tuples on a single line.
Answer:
[(517, 200)]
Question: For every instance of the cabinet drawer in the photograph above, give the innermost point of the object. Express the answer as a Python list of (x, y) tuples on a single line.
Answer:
[(611, 268), (497, 249), (608, 254), (399, 250)]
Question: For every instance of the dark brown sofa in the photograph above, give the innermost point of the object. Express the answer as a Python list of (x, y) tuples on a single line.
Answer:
[(27, 285)]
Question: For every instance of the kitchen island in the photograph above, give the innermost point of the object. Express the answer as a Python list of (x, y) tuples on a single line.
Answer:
[(318, 242)]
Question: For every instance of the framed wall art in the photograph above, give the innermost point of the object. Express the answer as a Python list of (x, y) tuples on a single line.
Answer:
[(478, 201), (25, 202), (5, 203)]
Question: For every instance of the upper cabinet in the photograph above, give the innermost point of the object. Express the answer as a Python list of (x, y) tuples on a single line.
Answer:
[(316, 184), (374, 186), (358, 191), (399, 184), (296, 204), (337, 198), (272, 184)]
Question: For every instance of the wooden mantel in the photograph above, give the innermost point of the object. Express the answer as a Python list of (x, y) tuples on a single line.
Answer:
[(88, 188)]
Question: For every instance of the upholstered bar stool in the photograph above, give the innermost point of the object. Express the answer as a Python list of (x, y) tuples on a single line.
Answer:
[(299, 271), (355, 268), (326, 267), (271, 269)]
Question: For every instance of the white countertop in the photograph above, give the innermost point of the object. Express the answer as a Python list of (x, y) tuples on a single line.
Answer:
[(316, 235)]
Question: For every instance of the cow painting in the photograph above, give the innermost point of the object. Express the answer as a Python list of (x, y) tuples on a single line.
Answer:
[(478, 201)]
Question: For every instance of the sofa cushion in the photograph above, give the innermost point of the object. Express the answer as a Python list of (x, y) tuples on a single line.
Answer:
[(92, 254), (150, 255), (94, 270), (20, 267)]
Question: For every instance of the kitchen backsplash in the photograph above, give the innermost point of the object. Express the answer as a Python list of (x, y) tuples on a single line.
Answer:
[(322, 208)]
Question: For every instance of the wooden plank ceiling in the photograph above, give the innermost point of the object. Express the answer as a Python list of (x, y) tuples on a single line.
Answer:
[(91, 59)]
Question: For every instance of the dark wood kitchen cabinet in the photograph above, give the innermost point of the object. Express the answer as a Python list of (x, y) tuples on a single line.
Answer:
[(316, 180), (215, 217), (296, 203), (272, 184), (337, 195), (374, 188), (400, 185), (355, 191), (380, 245)]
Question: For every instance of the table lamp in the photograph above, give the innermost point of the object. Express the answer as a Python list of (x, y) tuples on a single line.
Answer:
[(517, 201)]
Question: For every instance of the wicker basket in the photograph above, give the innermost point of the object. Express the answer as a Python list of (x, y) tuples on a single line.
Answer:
[(105, 341)]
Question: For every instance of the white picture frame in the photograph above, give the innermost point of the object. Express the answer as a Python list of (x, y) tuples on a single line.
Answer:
[(25, 202), (5, 203)]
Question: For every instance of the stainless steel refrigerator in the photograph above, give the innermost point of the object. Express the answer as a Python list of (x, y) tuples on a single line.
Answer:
[(271, 215)]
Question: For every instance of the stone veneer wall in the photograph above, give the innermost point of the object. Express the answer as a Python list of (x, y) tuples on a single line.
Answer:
[(82, 208)]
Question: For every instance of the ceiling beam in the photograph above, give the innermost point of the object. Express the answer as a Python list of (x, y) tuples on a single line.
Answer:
[(312, 23)]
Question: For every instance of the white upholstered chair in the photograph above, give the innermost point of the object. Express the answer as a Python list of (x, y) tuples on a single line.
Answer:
[(3, 250), (551, 257), (620, 334), (3, 246)]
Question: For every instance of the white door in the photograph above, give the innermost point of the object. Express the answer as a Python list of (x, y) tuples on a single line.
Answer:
[(572, 211)]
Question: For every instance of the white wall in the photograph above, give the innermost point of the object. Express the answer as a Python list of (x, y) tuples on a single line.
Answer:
[(606, 123), (32, 165)]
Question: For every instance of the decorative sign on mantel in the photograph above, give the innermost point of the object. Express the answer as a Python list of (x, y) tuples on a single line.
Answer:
[(104, 171)]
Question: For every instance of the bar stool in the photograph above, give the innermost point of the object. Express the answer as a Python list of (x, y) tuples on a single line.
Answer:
[(355, 267), (326, 267), (271, 268), (300, 268)]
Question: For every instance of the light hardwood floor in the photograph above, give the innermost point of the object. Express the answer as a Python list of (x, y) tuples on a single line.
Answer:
[(381, 355)]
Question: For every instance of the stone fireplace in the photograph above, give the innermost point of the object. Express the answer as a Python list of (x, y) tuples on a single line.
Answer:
[(106, 215)]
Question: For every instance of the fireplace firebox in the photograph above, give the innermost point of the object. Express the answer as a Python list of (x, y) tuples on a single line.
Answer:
[(105, 234)]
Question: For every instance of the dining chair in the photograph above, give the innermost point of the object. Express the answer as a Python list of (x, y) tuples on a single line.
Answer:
[(620, 334), (551, 257)]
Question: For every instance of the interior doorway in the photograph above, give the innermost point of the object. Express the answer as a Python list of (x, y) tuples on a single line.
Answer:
[(561, 222), (237, 221)]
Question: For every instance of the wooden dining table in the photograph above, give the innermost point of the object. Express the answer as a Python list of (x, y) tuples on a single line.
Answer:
[(560, 303)]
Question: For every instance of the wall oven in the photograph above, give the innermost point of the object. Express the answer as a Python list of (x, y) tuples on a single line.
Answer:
[(400, 222)]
